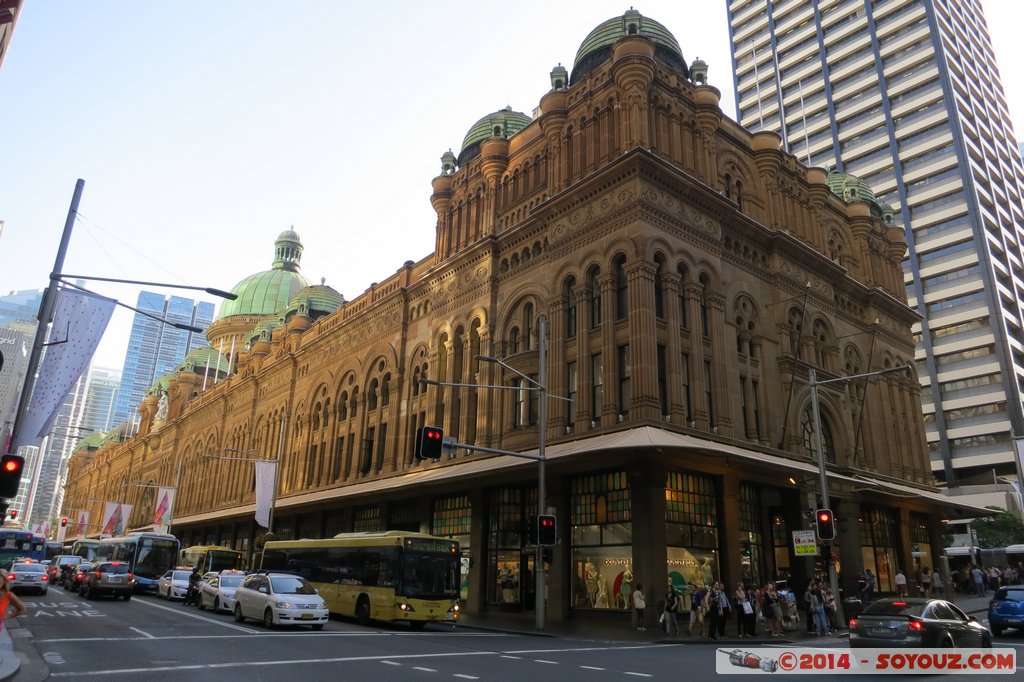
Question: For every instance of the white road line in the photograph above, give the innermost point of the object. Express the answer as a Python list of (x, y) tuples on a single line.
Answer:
[(514, 658), (144, 634), (391, 663), (465, 677), (541, 660), (197, 616), (169, 638), (425, 670), (637, 674), (590, 667)]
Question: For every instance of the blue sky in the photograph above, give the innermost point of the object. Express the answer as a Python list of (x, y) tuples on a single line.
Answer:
[(202, 131)]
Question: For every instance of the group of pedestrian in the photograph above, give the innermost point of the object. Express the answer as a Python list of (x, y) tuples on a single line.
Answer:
[(980, 580), (712, 607)]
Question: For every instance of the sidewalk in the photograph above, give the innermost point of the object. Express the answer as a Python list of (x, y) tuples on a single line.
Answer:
[(586, 628)]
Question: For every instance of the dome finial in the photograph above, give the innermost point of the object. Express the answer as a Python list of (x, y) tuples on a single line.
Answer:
[(287, 250)]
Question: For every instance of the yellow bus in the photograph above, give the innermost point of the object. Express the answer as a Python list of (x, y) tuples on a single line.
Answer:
[(388, 576), (210, 558)]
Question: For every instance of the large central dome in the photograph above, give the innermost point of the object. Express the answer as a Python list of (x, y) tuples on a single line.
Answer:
[(597, 46), (270, 291)]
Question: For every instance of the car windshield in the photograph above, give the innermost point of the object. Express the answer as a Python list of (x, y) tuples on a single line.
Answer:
[(83, 567), (895, 608), (29, 568), (291, 585), (67, 561), (230, 581), (180, 575)]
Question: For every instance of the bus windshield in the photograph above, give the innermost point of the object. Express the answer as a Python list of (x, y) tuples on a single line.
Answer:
[(430, 575), (155, 556), (223, 560)]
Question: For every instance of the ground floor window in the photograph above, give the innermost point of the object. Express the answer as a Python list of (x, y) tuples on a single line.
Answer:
[(602, 541), (510, 564), (404, 516), (781, 543), (921, 546), (452, 519), (878, 533), (691, 529), (366, 519), (751, 539)]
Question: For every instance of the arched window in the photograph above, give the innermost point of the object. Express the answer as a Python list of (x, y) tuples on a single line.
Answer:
[(570, 306), (371, 396), (705, 325), (594, 289), (343, 406), (385, 390), (513, 340), (683, 320), (528, 341), (828, 442), (621, 289), (795, 322), (659, 289)]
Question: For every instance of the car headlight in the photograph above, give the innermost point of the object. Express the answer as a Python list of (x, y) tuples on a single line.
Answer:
[(323, 605), (283, 604), (405, 607)]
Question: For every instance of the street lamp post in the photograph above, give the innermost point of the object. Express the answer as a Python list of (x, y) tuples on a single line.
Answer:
[(812, 380)]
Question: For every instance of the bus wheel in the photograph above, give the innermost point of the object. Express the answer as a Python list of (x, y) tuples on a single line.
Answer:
[(363, 611), (417, 624)]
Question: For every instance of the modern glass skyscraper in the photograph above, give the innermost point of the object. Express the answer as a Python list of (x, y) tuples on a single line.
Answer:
[(905, 95), (155, 348)]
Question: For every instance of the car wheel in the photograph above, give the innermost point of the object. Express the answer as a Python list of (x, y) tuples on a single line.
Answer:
[(202, 607), (216, 604), (997, 630), (239, 618), (268, 619), (128, 597), (947, 643), (363, 611), (986, 642), (318, 626), (89, 593)]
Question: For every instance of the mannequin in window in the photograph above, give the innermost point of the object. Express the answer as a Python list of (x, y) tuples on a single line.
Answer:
[(707, 571), (591, 577), (602, 595)]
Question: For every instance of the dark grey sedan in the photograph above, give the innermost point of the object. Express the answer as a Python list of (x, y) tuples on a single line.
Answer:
[(913, 622)]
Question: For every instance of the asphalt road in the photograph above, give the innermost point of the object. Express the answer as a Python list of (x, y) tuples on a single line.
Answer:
[(158, 640)]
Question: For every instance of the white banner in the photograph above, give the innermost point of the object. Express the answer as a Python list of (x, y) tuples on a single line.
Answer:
[(62, 534), (796, 660), (82, 526), (115, 518), (265, 491), (164, 509), (79, 320)]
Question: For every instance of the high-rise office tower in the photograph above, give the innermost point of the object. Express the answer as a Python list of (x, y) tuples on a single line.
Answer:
[(15, 344), (155, 348), (101, 395), (905, 96), (20, 306)]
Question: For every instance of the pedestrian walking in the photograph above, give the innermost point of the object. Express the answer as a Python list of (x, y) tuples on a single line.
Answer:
[(668, 617), (979, 581), (901, 583), (697, 609), (640, 604), (938, 584), (772, 611), (746, 611), (926, 582), (870, 592), (713, 609)]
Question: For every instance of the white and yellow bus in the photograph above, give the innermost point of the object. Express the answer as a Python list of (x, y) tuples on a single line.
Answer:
[(210, 558), (388, 576)]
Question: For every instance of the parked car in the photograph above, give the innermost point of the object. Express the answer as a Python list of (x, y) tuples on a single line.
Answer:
[(217, 590), (73, 581), (1006, 609), (61, 566), (108, 577), (916, 622), (173, 584), (25, 575), (280, 599)]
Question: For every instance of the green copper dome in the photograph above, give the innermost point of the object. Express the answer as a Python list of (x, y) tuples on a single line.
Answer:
[(91, 442), (502, 123), (264, 330), (315, 301), (161, 384), (198, 360), (597, 46), (270, 291), (849, 187)]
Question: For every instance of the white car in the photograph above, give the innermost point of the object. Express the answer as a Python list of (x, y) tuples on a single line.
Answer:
[(280, 599), (217, 590), (173, 584), (28, 575)]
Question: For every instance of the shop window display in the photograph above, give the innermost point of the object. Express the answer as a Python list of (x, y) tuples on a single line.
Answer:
[(602, 542), (451, 519)]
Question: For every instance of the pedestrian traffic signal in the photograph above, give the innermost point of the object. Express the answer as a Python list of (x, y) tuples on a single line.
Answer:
[(14, 514), (547, 532), (825, 524), (10, 474), (63, 521), (429, 442)]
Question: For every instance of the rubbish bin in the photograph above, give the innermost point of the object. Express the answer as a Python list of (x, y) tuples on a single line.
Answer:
[(852, 607)]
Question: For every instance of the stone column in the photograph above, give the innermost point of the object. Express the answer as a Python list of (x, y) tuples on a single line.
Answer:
[(609, 411), (720, 372), (698, 390), (556, 373), (673, 349), (731, 569), (650, 559), (644, 344), (584, 409), (851, 555)]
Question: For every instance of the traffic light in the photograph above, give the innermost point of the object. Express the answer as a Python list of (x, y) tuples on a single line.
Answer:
[(10, 474), (825, 524), (547, 532), (429, 442), (14, 515), (63, 521)]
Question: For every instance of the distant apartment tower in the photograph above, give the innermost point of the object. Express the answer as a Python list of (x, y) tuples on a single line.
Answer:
[(15, 345), (905, 95), (155, 348), (101, 396), (20, 306)]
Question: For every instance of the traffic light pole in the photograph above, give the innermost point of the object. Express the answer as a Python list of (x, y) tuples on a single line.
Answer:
[(812, 380)]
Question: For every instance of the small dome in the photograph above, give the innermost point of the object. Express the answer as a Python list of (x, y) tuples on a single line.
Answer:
[(265, 329), (270, 291), (201, 359), (91, 442), (849, 188), (502, 123), (315, 301), (597, 46), (161, 384)]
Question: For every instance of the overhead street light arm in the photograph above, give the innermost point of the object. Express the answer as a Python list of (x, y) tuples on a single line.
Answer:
[(888, 370), (176, 325), (210, 290)]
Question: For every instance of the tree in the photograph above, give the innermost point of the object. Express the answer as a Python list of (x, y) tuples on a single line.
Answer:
[(999, 530)]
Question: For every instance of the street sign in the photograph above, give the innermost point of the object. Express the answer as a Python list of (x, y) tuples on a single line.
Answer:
[(805, 543)]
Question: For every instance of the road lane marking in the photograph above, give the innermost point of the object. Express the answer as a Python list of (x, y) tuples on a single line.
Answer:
[(541, 660), (465, 677), (198, 617), (637, 674), (391, 663), (144, 634), (425, 670), (590, 667), (171, 638)]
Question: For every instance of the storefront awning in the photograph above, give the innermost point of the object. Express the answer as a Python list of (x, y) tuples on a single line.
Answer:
[(631, 439)]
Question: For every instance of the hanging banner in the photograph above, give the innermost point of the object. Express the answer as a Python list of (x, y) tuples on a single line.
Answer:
[(265, 491), (79, 320), (164, 507), (126, 512), (111, 519), (82, 525)]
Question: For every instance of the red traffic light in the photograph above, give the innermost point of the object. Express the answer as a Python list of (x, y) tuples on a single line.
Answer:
[(824, 516), (12, 465), (429, 443), (14, 513), (10, 475), (825, 524), (63, 521)]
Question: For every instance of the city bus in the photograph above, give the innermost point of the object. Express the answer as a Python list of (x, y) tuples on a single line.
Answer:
[(148, 555), (53, 549), (20, 544), (388, 576), (210, 558), (84, 548)]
